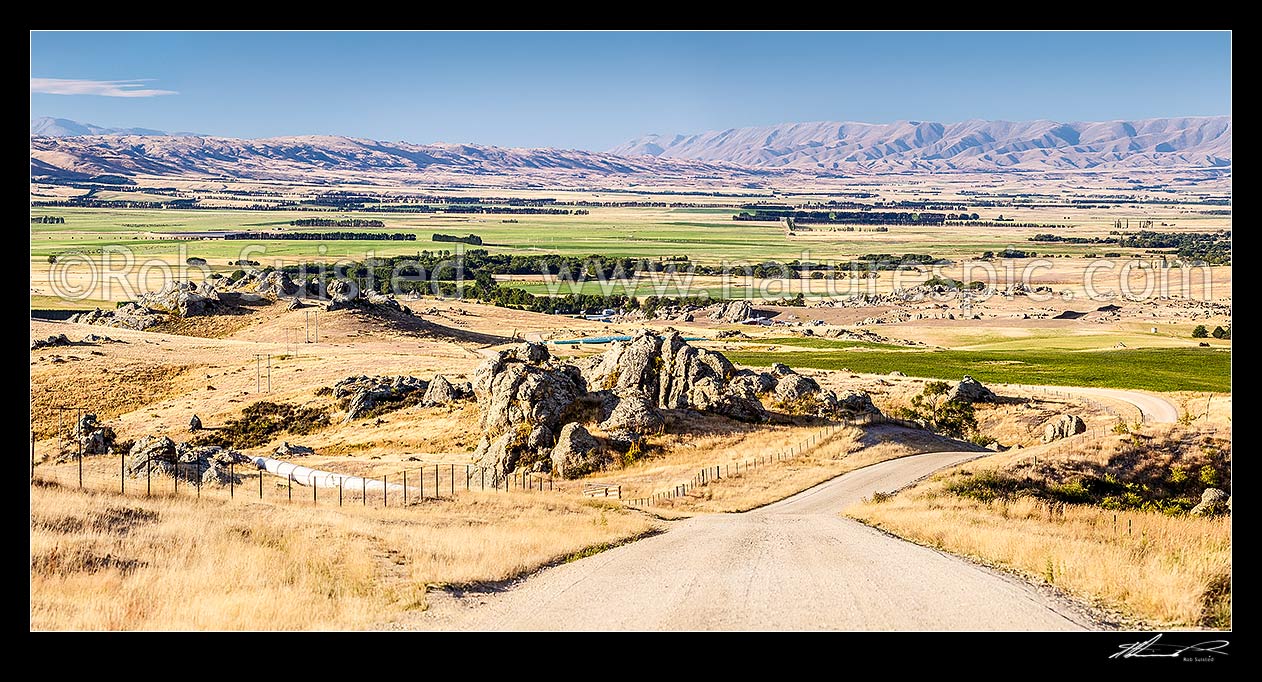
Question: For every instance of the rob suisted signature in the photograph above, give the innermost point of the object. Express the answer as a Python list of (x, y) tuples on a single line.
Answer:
[(1153, 648)]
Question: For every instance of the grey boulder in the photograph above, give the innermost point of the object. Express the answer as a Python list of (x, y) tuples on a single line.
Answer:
[(577, 453)]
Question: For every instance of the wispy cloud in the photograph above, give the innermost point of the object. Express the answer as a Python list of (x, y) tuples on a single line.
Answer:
[(75, 86)]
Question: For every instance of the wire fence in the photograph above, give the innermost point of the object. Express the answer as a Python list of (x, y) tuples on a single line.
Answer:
[(253, 481), (710, 474), (288, 481)]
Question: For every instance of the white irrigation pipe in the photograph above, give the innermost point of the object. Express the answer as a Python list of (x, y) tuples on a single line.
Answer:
[(320, 479)]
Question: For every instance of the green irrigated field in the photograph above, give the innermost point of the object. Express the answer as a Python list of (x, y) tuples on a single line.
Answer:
[(641, 288), (702, 234), (1153, 369)]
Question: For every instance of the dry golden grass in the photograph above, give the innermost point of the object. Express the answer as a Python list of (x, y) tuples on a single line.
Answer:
[(679, 456), (1168, 571), (106, 389), (1144, 457), (1165, 571), (106, 562)]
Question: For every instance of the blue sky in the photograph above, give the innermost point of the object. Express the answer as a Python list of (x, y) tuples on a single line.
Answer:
[(595, 90)]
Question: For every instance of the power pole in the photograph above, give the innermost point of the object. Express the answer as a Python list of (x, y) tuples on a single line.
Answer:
[(258, 372), (307, 318)]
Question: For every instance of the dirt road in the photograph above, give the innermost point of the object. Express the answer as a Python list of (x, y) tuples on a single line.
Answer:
[(793, 565), (1154, 408)]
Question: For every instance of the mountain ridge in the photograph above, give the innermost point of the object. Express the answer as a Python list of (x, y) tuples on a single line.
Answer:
[(48, 126), (975, 144), (299, 156), (821, 148)]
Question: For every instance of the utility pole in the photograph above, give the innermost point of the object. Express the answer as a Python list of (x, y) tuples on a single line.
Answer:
[(258, 372), (308, 316), (78, 439)]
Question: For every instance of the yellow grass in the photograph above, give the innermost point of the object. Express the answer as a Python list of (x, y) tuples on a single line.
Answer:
[(755, 484), (1165, 571), (107, 562)]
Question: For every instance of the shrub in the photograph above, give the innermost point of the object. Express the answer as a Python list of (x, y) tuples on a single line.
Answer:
[(263, 421), (944, 282), (979, 438), (1200, 332), (951, 417), (633, 453)]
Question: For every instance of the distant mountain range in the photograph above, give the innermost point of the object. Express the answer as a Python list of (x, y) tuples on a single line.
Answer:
[(328, 157), (47, 126), (65, 148), (971, 145)]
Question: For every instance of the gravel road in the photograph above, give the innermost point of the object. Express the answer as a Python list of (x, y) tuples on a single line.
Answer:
[(1154, 408), (793, 565)]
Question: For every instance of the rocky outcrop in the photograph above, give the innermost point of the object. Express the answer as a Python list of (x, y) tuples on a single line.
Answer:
[(522, 395), (793, 387), (525, 396), (287, 450), (92, 437), (380, 303), (540, 438), (276, 284), (51, 341), (631, 417), (798, 394), (175, 299), (150, 452), (856, 403), (126, 316), (207, 464), (1214, 502), (341, 293), (1064, 426), (441, 391), (195, 424), (861, 335), (733, 311), (577, 453), (970, 390), (674, 375), (184, 299), (758, 382), (360, 394)]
